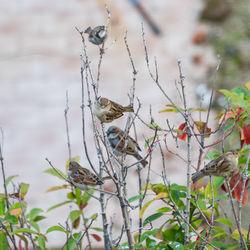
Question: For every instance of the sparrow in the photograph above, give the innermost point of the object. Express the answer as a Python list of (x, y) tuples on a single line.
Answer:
[(107, 111), (82, 178), (120, 145), (219, 166), (98, 35)]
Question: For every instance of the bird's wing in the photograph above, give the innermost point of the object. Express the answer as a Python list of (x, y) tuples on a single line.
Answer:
[(115, 107), (111, 116), (84, 176)]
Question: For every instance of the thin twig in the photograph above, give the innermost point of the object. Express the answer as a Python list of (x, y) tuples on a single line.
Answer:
[(234, 213), (67, 124)]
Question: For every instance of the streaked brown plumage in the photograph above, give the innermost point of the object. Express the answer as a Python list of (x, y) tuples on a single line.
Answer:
[(82, 177), (116, 138), (107, 111), (219, 166), (98, 35)]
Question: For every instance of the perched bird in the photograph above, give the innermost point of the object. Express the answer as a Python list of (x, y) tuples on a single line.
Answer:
[(107, 111), (120, 145), (98, 35), (82, 178), (219, 166)]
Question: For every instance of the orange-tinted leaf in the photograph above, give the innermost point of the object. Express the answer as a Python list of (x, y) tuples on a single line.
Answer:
[(76, 223), (57, 188), (233, 113), (197, 59), (225, 117), (83, 206), (199, 37), (181, 134), (161, 195), (16, 211), (201, 127), (97, 237), (246, 134)]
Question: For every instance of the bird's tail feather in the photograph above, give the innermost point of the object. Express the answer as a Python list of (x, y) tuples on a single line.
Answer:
[(196, 176), (139, 158), (129, 109)]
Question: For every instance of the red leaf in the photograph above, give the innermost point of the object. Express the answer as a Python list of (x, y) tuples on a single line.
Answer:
[(97, 237), (198, 237), (223, 187), (238, 189), (246, 134), (181, 135), (16, 195)]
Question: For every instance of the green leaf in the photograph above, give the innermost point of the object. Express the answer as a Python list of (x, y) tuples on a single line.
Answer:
[(98, 229), (240, 91), (176, 245), (172, 233), (2, 207), (219, 197), (211, 155), (208, 191), (225, 221), (150, 244), (71, 196), (56, 228), (39, 217), (218, 181), (78, 196), (58, 205), (72, 242), (178, 187), (134, 198), (235, 235), (201, 204), (11, 219), (3, 242), (75, 214), (164, 210), (152, 218), (154, 126), (224, 246), (124, 246), (94, 216), (86, 197), (54, 173), (146, 234), (23, 230), (8, 180), (33, 213), (24, 189), (148, 141), (144, 208), (41, 241), (35, 225), (196, 223)]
